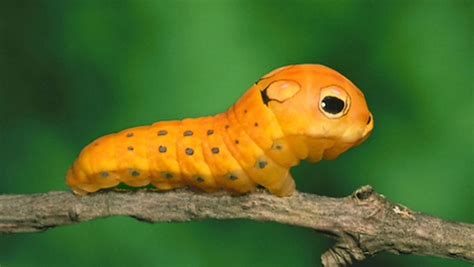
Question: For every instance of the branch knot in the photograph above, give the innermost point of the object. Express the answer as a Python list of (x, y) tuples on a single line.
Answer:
[(363, 193)]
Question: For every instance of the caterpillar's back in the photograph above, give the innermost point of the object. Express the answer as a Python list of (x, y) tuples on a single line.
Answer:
[(293, 113)]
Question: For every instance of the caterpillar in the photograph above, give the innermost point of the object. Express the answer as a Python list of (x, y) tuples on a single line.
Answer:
[(298, 112)]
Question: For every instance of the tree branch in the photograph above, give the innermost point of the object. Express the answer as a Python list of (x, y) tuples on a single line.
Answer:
[(363, 224)]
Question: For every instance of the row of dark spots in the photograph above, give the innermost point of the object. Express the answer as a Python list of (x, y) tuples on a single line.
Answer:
[(200, 179), (167, 175), (189, 151), (215, 150), (134, 173), (185, 133), (189, 132), (231, 177)]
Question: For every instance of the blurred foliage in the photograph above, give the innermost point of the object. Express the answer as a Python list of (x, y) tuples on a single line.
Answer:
[(71, 71)]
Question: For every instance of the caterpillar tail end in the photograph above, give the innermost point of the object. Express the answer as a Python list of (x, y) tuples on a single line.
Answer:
[(82, 183), (73, 183)]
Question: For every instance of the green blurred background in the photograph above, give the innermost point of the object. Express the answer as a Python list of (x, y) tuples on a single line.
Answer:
[(71, 71)]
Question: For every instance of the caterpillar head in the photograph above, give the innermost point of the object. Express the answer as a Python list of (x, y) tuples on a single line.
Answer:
[(319, 106)]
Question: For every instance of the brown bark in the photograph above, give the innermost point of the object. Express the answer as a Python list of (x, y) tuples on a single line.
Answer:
[(363, 224)]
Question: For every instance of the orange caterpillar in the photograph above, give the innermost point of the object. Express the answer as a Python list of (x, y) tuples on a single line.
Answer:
[(293, 113)]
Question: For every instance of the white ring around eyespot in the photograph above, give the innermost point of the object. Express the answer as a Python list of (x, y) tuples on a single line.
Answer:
[(338, 92)]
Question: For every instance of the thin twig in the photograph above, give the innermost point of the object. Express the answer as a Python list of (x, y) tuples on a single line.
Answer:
[(364, 223)]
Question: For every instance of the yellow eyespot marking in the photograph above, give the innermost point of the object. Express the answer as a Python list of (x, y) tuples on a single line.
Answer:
[(282, 90)]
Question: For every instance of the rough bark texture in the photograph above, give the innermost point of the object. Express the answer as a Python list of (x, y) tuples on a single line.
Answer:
[(363, 224)]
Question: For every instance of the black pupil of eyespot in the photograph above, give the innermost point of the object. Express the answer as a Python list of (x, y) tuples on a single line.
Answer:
[(332, 105)]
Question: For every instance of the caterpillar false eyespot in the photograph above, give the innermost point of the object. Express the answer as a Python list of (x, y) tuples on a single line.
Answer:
[(294, 113)]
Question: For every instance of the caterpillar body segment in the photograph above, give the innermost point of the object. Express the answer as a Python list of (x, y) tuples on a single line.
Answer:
[(300, 112), (223, 165), (190, 154), (165, 168), (264, 131), (249, 155)]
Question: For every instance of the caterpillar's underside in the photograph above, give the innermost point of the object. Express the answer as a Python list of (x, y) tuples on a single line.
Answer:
[(235, 151)]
